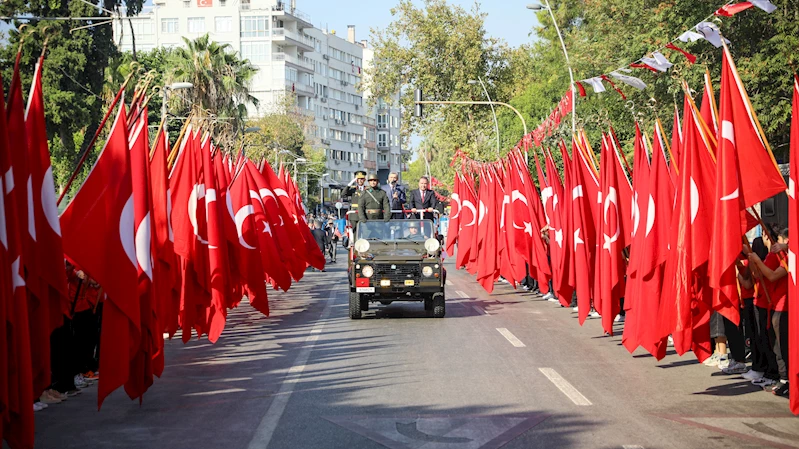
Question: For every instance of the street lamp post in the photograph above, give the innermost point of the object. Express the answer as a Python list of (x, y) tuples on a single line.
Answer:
[(165, 94), (301, 160), (546, 6), (496, 124)]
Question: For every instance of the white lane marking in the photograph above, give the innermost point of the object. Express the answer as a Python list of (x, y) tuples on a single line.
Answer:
[(215, 392), (565, 387), (511, 338), (449, 283), (266, 428), (631, 446), (461, 294), (480, 310)]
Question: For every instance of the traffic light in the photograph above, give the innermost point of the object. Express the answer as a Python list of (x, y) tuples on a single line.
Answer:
[(417, 97)]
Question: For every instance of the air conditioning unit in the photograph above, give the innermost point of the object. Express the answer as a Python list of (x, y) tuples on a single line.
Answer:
[(324, 99), (352, 144), (360, 145), (326, 57), (324, 117), (325, 142), (356, 107), (338, 122), (337, 161)]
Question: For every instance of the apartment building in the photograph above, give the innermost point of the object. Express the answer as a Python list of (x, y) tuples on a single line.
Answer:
[(319, 68)]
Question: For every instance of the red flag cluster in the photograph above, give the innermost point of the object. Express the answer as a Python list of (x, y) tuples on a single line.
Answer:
[(173, 247), (564, 108), (665, 234)]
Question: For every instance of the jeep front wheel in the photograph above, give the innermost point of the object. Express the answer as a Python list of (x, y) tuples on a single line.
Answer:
[(355, 306), (439, 308)]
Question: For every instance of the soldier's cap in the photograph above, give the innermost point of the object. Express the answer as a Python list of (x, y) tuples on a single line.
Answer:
[(413, 224), (373, 176), (360, 174)]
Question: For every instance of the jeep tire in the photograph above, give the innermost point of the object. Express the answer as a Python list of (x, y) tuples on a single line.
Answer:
[(355, 306), (439, 308)]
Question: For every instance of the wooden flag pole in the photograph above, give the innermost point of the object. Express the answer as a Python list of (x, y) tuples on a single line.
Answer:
[(174, 153)]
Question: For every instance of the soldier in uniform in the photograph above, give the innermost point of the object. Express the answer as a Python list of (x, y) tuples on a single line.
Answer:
[(374, 203), (355, 192)]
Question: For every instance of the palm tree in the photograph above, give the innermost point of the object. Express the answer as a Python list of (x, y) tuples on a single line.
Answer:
[(221, 85)]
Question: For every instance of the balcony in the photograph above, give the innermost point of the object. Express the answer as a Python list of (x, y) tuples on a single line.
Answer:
[(301, 17), (289, 37), (285, 57), (382, 165), (369, 165), (299, 88)]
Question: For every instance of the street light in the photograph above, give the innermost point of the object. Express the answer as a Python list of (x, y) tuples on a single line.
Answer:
[(546, 6), (496, 124), (301, 160), (165, 94)]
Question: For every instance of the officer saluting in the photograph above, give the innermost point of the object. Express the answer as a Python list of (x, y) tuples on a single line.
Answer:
[(355, 192), (374, 203)]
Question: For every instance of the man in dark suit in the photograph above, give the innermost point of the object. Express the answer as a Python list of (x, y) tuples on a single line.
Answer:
[(321, 237), (396, 194), (424, 199)]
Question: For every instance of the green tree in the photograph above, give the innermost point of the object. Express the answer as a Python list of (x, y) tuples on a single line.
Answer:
[(221, 85), (438, 48), (73, 68)]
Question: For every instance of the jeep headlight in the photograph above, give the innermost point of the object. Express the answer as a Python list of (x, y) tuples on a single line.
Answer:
[(362, 245), (427, 271), (432, 245), (367, 271)]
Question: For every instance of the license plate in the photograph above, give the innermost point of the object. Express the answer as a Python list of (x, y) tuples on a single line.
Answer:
[(385, 283), (365, 289), (409, 283)]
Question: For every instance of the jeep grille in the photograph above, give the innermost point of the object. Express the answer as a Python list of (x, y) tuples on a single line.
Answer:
[(401, 273)]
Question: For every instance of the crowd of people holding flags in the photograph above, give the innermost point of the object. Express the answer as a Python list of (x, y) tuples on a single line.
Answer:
[(661, 242), (155, 241)]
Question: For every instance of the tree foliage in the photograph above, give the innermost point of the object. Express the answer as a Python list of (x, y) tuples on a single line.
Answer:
[(438, 48), (221, 85)]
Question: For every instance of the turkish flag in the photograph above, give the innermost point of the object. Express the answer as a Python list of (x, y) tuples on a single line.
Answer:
[(511, 267), (487, 224), (165, 266), (729, 10), (584, 237), (219, 271), (249, 257), (98, 227), (16, 375), (468, 216), (50, 302), (293, 261), (223, 181), (298, 229), (625, 189), (640, 202), (611, 266), (454, 215), (685, 306), (793, 250), (746, 174), (315, 257), (151, 340), (567, 282)]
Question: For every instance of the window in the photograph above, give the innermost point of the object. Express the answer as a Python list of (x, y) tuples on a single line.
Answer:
[(196, 24), (222, 2), (394, 121), (169, 26), (187, 3), (382, 140), (382, 121), (223, 24), (291, 74), (141, 27), (254, 26), (256, 52)]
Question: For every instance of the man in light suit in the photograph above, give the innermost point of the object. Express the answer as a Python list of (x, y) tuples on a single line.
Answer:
[(424, 199), (396, 194)]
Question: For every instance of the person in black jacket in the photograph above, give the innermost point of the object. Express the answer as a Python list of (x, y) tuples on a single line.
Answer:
[(321, 237), (396, 194), (424, 199)]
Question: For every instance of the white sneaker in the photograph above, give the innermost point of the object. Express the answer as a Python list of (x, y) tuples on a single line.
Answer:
[(670, 341), (763, 382), (37, 407), (79, 382), (594, 314), (713, 360), (619, 318), (576, 309), (752, 375), (553, 299), (724, 361), (548, 296)]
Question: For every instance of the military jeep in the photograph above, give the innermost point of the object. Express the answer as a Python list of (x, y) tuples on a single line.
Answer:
[(396, 260)]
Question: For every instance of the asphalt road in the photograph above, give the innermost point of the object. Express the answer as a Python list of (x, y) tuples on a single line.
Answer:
[(506, 370)]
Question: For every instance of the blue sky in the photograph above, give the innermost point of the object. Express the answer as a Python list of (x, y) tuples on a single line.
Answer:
[(508, 20)]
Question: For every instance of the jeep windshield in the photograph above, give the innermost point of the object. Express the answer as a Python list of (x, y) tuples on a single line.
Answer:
[(396, 230)]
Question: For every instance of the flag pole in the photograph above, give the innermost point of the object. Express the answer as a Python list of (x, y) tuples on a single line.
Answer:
[(94, 140), (174, 153)]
